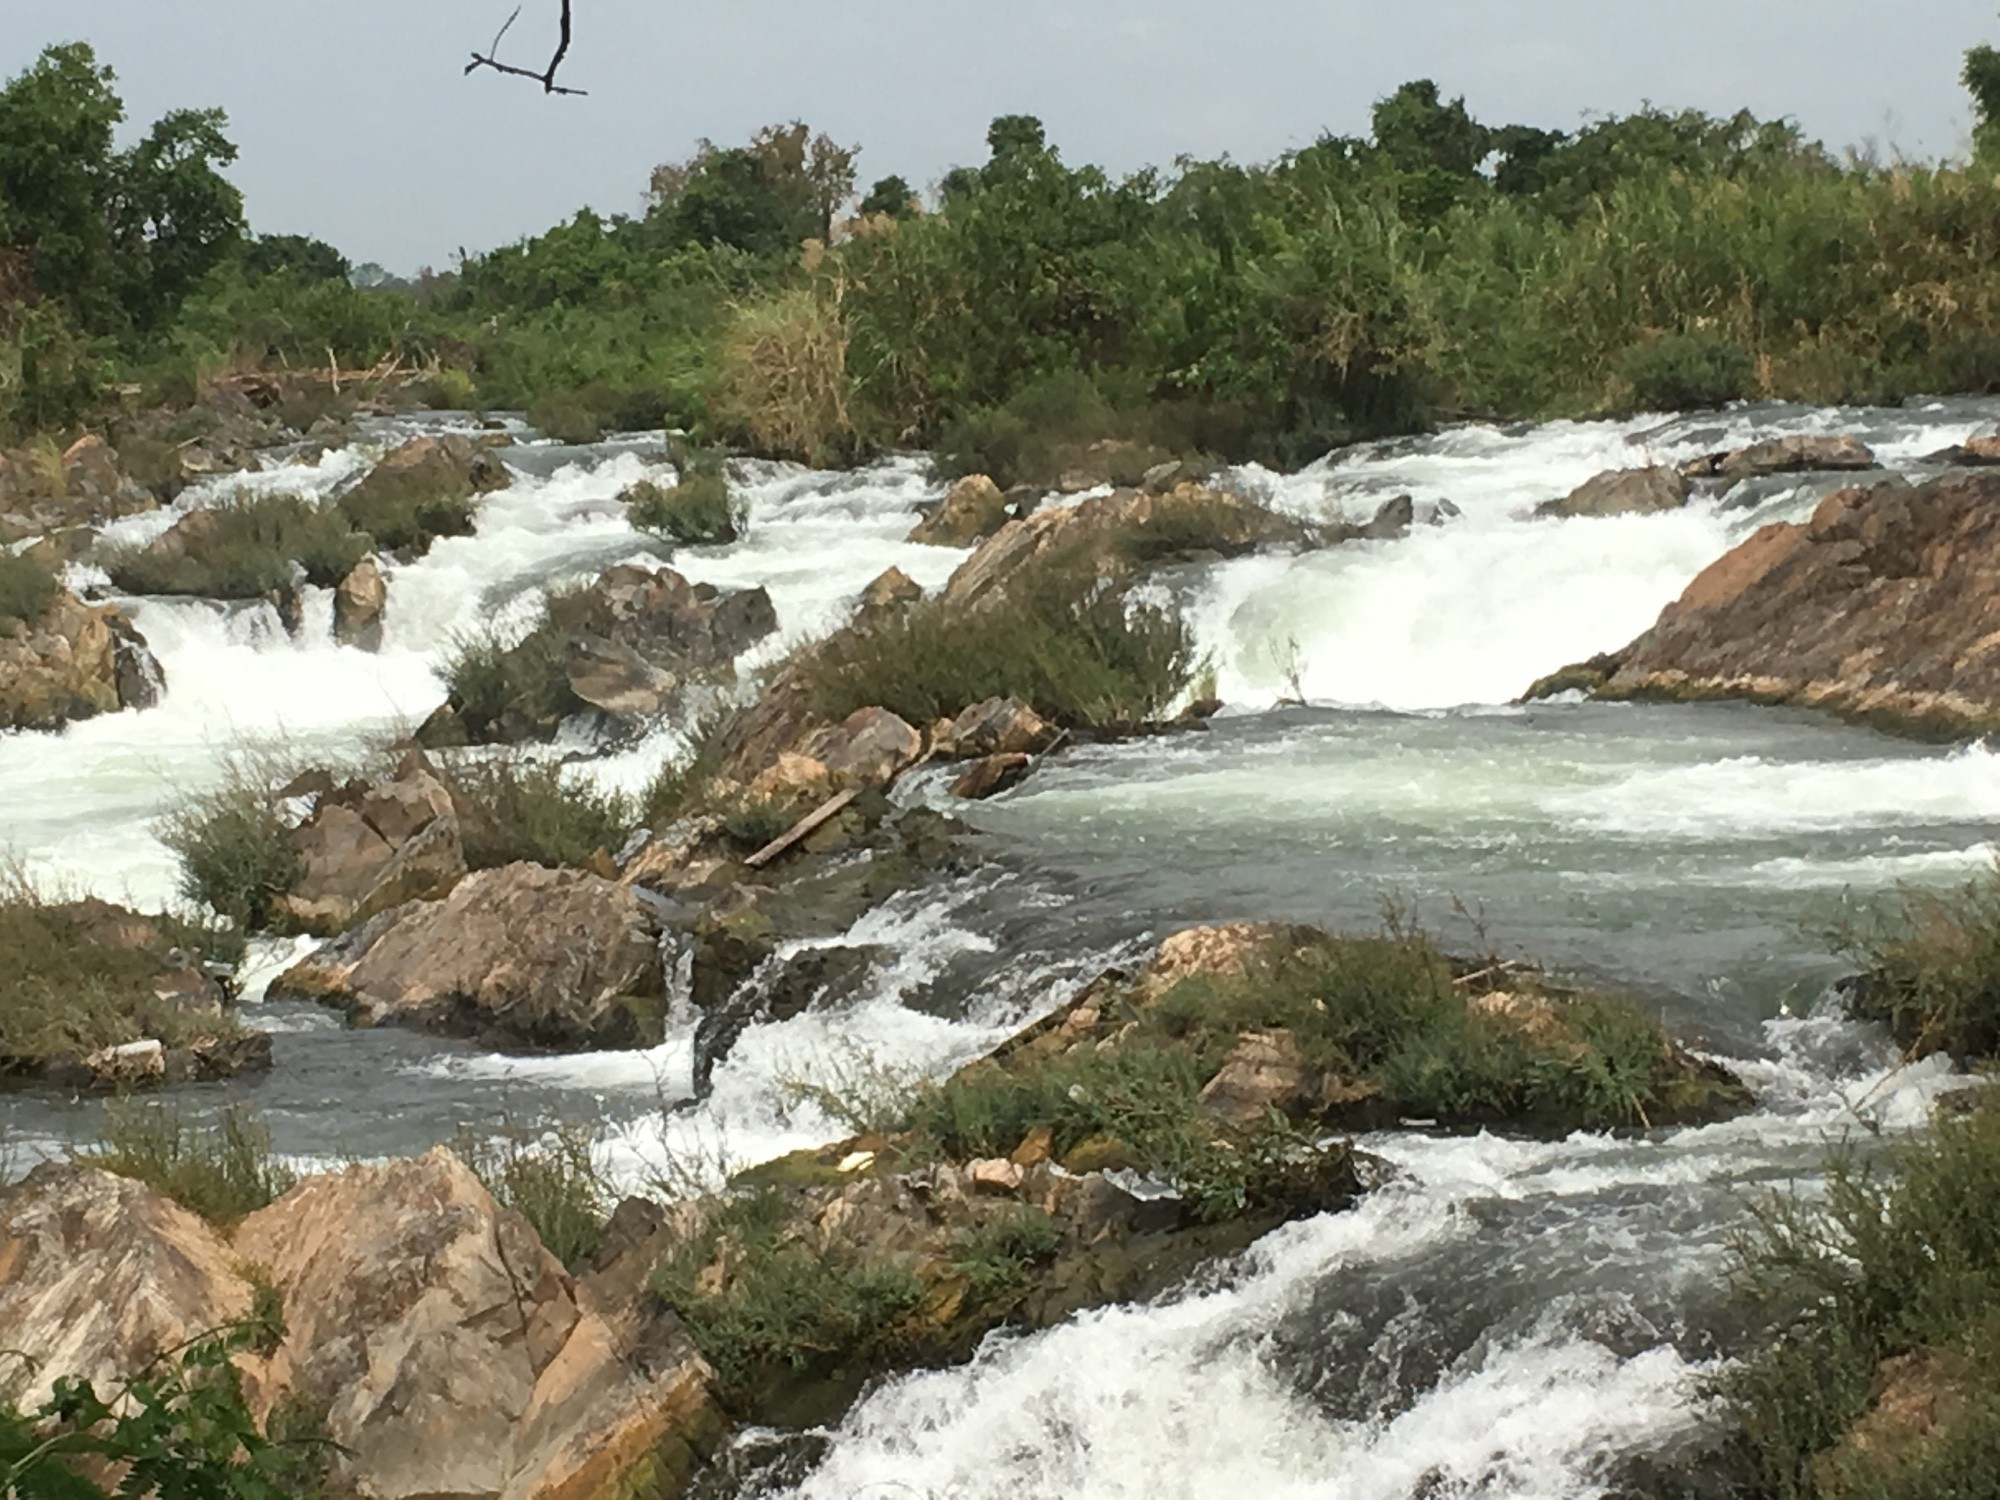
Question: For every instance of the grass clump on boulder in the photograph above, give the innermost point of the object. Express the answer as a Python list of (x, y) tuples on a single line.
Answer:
[(553, 1180), (223, 1170), (698, 511), (234, 845), (512, 809), (26, 587), (1930, 969), (247, 548), (1081, 650), (416, 494), (1882, 1381), (503, 693)]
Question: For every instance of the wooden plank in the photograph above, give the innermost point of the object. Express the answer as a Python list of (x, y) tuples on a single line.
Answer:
[(801, 830)]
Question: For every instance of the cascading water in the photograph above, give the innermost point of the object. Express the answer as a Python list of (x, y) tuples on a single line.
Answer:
[(1506, 1319)]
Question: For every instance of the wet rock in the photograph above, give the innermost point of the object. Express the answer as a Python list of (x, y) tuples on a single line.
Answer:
[(675, 626), (992, 775), (890, 590), (610, 676), (358, 606), (1884, 607), (418, 492), (871, 746), (1623, 492), (972, 508), (518, 957), (74, 662), (372, 845), (1974, 453), (1785, 455), (998, 726), (1392, 520)]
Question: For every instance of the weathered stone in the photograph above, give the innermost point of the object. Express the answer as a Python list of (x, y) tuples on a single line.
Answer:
[(1623, 492), (613, 678), (1785, 455), (1262, 1073), (890, 590), (519, 956), (1885, 607), (793, 778), (871, 745), (358, 606), (995, 1175), (75, 661), (991, 776), (999, 726), (1392, 520), (972, 508), (372, 845)]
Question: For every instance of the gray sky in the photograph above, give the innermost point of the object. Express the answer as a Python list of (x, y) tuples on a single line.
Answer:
[(356, 125)]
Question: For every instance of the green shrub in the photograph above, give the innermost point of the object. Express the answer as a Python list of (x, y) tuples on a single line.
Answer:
[(996, 1258), (63, 994), (234, 845), (508, 693), (585, 414), (552, 1179), (26, 587), (243, 549), (784, 1304), (1081, 651), (1687, 370), (1902, 1257), (223, 1170), (1930, 968), (405, 509), (697, 512), (513, 809)]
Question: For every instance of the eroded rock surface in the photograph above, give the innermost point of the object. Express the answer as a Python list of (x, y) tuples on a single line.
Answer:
[(74, 662)]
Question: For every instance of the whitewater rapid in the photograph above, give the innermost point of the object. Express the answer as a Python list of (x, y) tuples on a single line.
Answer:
[(1507, 1319)]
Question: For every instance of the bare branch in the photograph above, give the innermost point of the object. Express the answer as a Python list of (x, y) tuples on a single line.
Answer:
[(547, 78)]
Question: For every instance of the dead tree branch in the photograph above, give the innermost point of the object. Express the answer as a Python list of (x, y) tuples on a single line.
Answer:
[(547, 79)]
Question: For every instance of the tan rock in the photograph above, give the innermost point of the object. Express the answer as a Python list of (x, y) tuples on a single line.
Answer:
[(1036, 1147), (792, 778), (995, 1175), (1218, 951), (890, 589), (358, 606), (1000, 726), (1623, 492), (1263, 1072), (871, 745), (76, 661), (991, 776), (972, 508), (612, 677), (1787, 455), (370, 846), (520, 956)]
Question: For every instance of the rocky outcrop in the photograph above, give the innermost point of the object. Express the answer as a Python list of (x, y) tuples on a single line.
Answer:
[(890, 590), (1884, 607), (972, 508), (1807, 453), (871, 746), (521, 957), (449, 1351), (75, 661), (359, 604), (368, 846), (422, 490), (1623, 492), (44, 491)]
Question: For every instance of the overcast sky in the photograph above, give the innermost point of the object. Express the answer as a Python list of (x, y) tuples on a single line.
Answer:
[(357, 126)]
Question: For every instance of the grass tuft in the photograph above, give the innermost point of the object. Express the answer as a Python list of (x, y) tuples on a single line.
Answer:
[(512, 809), (552, 1178), (1930, 965), (234, 844), (243, 549), (26, 587), (222, 1171), (699, 511)]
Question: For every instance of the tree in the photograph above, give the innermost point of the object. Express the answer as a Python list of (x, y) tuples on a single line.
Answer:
[(306, 258), (1418, 132), (174, 215), (1982, 81), (766, 197)]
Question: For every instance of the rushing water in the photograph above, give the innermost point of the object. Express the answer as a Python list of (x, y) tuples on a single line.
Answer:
[(1507, 1319)]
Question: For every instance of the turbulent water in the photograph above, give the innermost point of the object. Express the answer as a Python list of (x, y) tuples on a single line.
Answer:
[(1507, 1319)]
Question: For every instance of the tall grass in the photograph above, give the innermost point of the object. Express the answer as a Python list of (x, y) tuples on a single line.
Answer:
[(512, 809), (552, 1177), (1930, 968), (222, 1169), (783, 384), (243, 549), (26, 587), (234, 843)]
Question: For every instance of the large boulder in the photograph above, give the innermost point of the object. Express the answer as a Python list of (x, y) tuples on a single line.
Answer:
[(871, 746), (1805, 453), (359, 604), (676, 626), (1885, 606), (972, 508), (447, 1349), (519, 957), (422, 490), (83, 486), (1623, 492), (75, 661), (368, 846)]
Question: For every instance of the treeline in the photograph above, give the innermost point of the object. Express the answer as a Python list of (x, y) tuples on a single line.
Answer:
[(1438, 268)]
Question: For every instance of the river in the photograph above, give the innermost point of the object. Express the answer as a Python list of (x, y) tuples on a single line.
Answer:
[(1507, 1319)]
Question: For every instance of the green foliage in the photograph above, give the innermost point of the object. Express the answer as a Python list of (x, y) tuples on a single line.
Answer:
[(65, 994), (512, 809), (890, 195), (996, 1258), (1930, 968), (179, 1428), (223, 1170), (244, 549), (764, 198), (1686, 370), (234, 845), (785, 1304), (406, 508), (26, 587), (698, 511), (511, 693), (1079, 650), (1982, 81), (551, 1177), (1900, 1258)]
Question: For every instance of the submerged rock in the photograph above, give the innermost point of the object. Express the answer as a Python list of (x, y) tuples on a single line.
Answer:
[(1885, 607), (74, 661), (1623, 492), (521, 957)]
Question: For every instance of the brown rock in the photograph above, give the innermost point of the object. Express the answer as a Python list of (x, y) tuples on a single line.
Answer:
[(1263, 1072), (972, 508), (358, 605), (991, 776), (1884, 607), (1786, 455), (995, 1175), (871, 745), (891, 589), (372, 845), (613, 678), (1000, 726), (520, 956), (1623, 492), (792, 778), (74, 662)]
